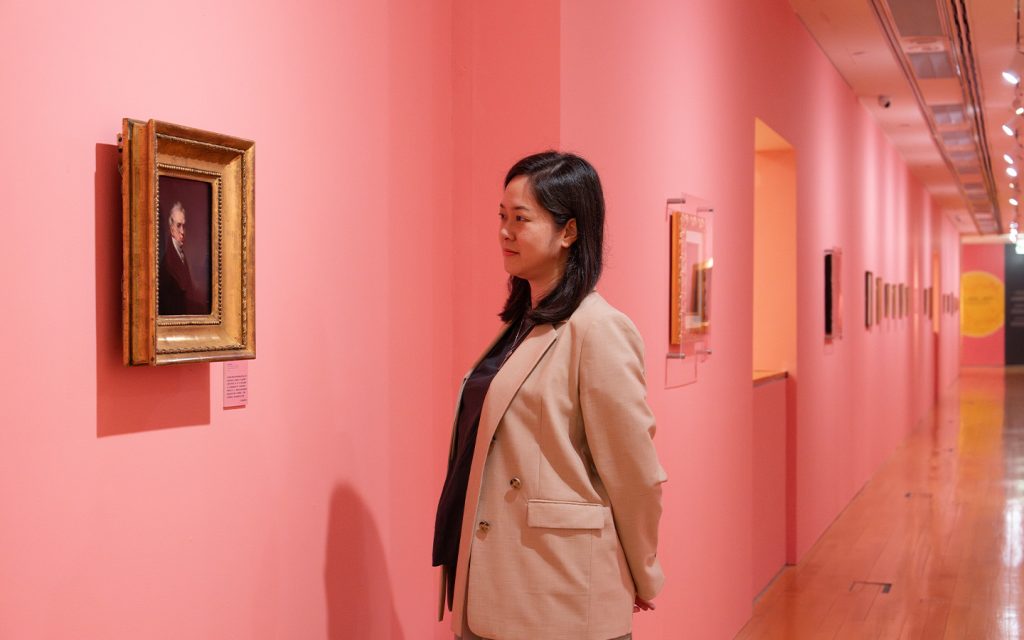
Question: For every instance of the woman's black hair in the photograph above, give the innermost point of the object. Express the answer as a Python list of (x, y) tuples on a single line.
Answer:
[(567, 186)]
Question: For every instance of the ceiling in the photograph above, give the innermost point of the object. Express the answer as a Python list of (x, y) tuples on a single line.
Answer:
[(930, 71)]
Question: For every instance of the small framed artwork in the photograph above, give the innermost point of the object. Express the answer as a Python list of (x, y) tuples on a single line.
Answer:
[(833, 294), (690, 270), (869, 299), (879, 300), (888, 300), (189, 278)]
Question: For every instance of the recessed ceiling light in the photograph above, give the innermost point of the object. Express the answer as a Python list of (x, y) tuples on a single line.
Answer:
[(1008, 130), (1010, 171), (1011, 76), (1008, 158), (1014, 202)]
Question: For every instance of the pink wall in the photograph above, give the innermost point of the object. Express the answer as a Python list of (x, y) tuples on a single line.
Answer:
[(505, 101), (949, 355), (989, 351), (132, 505), (768, 486)]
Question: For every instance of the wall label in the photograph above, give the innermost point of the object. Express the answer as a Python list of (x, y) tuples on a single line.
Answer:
[(236, 384)]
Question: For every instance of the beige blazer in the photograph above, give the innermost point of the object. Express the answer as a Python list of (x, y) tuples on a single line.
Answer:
[(560, 530)]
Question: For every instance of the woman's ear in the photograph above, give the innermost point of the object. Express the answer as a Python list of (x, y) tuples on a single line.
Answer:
[(569, 233)]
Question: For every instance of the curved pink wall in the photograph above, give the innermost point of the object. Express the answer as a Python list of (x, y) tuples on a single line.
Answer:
[(661, 96)]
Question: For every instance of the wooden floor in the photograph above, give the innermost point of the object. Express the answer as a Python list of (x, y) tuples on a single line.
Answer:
[(942, 522)]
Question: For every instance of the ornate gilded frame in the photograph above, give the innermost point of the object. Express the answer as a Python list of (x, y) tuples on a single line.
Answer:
[(151, 150)]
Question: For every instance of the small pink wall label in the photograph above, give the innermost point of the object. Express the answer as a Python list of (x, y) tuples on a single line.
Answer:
[(236, 384)]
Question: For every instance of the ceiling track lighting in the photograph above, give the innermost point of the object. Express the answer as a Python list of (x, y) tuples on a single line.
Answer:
[(1016, 69)]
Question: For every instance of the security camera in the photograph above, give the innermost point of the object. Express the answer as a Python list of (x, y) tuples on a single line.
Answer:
[(884, 101)]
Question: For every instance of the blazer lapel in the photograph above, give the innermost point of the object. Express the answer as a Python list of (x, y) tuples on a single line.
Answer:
[(508, 380), (462, 387)]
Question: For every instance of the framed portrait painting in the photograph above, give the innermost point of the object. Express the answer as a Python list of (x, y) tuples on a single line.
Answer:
[(869, 299), (833, 294), (879, 300), (189, 278)]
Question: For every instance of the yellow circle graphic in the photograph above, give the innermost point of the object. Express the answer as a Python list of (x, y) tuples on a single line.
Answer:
[(983, 304)]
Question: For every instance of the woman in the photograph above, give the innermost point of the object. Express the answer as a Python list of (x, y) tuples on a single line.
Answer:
[(547, 526)]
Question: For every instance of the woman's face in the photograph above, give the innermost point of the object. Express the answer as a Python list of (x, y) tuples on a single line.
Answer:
[(533, 247)]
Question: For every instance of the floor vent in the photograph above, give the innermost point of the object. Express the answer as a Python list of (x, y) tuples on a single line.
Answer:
[(885, 587)]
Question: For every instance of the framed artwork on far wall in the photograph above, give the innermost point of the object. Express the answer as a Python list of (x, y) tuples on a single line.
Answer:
[(879, 299), (833, 294), (869, 299)]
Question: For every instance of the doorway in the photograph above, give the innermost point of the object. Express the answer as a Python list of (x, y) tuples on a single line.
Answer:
[(774, 354)]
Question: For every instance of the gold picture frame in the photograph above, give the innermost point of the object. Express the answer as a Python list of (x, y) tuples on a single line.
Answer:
[(690, 275), (187, 296)]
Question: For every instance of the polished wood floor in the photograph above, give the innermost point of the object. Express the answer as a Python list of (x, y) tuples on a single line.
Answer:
[(942, 522)]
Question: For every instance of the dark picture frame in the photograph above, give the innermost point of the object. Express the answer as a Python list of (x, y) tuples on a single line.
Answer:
[(833, 293), (869, 299)]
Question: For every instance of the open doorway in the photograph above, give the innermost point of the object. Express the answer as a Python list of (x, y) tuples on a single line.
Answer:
[(774, 354)]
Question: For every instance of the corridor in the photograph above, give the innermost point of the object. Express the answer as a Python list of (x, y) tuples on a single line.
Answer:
[(933, 545)]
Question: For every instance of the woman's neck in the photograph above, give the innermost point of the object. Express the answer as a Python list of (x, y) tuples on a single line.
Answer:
[(542, 287)]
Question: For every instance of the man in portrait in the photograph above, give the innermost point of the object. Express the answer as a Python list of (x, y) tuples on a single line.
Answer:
[(178, 293)]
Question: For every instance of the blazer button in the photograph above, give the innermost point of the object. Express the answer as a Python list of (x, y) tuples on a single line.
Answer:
[(484, 526), (515, 483)]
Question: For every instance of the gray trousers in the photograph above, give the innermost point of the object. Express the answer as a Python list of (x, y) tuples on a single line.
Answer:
[(467, 634)]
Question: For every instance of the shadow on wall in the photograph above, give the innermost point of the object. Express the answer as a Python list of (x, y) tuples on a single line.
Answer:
[(359, 599), (133, 399)]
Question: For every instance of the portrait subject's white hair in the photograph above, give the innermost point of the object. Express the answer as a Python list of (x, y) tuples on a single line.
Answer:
[(177, 206)]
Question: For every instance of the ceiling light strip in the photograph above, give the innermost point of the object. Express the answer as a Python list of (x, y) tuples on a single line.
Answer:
[(888, 25), (963, 54)]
